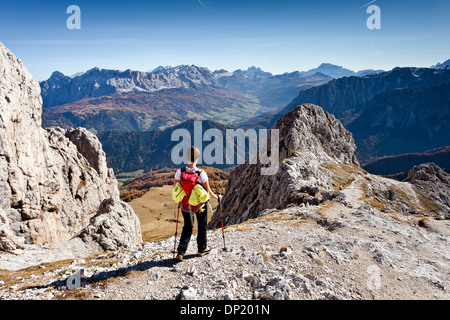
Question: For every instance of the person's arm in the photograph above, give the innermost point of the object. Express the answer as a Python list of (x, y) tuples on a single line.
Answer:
[(211, 193), (177, 177)]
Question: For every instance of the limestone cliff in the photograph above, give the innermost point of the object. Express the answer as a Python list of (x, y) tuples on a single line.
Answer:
[(52, 182)]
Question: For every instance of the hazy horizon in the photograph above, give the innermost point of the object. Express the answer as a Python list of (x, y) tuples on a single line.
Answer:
[(279, 37)]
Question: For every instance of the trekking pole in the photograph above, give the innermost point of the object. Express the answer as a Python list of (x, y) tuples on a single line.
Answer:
[(176, 233), (221, 221)]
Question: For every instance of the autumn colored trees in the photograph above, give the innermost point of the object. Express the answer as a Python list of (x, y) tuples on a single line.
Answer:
[(137, 187)]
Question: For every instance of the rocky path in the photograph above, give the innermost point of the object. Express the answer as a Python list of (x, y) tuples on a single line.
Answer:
[(333, 251)]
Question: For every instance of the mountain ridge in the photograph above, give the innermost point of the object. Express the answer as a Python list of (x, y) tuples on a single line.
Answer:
[(163, 77), (364, 103), (105, 100), (443, 64), (398, 166)]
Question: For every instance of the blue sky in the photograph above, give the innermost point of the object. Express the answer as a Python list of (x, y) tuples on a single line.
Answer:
[(278, 36)]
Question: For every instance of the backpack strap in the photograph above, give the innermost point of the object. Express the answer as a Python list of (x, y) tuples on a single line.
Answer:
[(198, 172)]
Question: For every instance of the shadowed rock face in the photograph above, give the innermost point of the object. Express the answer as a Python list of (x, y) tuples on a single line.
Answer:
[(52, 182), (311, 141), (434, 185)]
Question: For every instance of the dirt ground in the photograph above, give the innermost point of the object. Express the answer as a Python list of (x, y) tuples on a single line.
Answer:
[(157, 212)]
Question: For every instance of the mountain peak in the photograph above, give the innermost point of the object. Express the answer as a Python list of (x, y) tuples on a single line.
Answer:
[(57, 75), (179, 69), (327, 65), (257, 71), (439, 65), (160, 68), (252, 72), (310, 139), (331, 70), (254, 69)]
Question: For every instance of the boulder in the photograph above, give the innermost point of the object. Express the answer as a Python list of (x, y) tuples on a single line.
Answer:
[(113, 226)]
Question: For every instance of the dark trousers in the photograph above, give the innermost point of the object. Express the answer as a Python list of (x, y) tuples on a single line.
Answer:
[(202, 222)]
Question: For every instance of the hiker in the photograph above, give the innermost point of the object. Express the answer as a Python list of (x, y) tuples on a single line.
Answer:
[(190, 177)]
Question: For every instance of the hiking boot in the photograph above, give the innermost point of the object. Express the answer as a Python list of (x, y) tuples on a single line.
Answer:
[(203, 252), (179, 257)]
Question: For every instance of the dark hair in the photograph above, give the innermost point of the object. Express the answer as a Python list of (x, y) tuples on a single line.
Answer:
[(193, 154)]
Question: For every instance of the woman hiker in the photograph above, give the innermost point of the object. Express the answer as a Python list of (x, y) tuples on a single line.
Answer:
[(189, 176)]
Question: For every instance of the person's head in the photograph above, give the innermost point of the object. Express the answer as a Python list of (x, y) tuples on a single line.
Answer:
[(193, 154)]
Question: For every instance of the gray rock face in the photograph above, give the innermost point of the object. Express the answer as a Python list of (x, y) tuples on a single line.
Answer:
[(89, 146), (187, 293), (434, 185), (52, 182), (114, 226), (276, 288), (8, 241), (313, 146)]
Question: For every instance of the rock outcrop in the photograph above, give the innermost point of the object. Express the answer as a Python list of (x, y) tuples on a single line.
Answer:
[(433, 186), (114, 226), (52, 182), (316, 154)]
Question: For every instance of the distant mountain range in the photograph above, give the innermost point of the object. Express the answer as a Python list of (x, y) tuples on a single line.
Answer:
[(336, 72), (104, 100), (444, 64), (60, 89), (273, 91), (404, 110), (399, 111)]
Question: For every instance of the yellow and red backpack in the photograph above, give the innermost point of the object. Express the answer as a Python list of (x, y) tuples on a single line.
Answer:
[(188, 181)]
